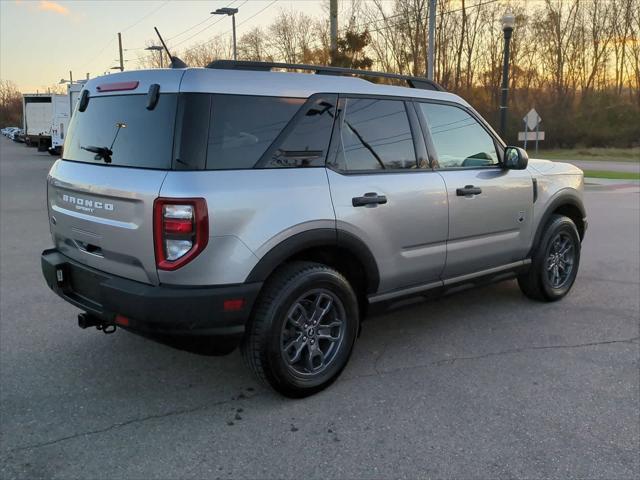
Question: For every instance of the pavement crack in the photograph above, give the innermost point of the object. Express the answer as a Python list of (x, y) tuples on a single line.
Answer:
[(511, 351), (608, 280), (450, 361), (172, 413)]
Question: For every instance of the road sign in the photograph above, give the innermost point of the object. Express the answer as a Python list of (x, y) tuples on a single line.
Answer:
[(531, 129), (530, 136), (532, 119)]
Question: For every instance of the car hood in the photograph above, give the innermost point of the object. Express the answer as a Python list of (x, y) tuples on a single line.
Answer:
[(547, 167)]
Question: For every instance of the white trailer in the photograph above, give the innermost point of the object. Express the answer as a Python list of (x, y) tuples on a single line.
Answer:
[(63, 108), (37, 116), (73, 91), (59, 123), (38, 112)]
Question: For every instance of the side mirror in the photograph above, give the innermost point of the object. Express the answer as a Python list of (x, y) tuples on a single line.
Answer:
[(515, 158)]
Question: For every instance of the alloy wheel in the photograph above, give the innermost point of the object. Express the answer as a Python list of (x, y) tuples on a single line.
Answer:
[(313, 332), (560, 260)]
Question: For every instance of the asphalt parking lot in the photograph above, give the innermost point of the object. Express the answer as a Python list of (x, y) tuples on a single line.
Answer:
[(480, 384)]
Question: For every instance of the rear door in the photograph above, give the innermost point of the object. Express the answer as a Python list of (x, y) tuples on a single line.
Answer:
[(384, 193), (490, 208), (101, 209)]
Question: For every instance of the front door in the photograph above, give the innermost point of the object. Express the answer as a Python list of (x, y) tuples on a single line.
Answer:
[(384, 193), (490, 208)]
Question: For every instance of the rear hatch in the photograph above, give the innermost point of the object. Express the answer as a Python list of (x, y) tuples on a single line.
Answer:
[(116, 155)]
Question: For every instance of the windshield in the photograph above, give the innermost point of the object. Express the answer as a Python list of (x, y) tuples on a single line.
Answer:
[(119, 128)]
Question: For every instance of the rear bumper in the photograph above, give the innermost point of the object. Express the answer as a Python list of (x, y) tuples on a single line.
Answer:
[(163, 310)]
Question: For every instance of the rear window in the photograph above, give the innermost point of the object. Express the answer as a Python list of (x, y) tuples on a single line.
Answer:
[(197, 131), (137, 137)]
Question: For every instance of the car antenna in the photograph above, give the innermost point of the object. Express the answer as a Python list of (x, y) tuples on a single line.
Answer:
[(175, 61)]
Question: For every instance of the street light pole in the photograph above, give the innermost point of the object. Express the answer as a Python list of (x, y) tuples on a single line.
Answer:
[(157, 48), (232, 13), (508, 22)]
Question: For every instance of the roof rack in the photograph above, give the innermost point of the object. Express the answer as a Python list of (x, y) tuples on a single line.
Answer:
[(413, 82)]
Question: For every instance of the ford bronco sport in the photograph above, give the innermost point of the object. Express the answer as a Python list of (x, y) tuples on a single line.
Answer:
[(269, 209)]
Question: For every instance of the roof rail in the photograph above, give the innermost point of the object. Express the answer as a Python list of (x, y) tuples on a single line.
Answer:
[(413, 82)]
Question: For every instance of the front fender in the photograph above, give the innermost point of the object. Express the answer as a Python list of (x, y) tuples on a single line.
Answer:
[(567, 197)]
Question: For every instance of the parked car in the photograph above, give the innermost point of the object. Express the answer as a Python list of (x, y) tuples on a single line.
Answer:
[(13, 132), (18, 135), (270, 209), (8, 130)]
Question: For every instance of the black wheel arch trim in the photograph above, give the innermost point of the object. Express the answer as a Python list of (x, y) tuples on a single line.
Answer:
[(565, 197), (319, 237)]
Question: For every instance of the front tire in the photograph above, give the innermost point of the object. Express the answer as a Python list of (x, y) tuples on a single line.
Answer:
[(303, 329), (554, 263)]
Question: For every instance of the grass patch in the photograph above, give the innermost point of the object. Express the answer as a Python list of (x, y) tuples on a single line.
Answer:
[(599, 154), (611, 175)]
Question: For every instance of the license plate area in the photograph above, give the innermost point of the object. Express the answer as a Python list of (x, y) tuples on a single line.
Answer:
[(84, 283)]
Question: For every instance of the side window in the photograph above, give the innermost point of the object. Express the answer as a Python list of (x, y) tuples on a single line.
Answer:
[(305, 142), (242, 127), (459, 140), (376, 135)]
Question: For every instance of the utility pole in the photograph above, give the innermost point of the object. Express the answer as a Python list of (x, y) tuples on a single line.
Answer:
[(432, 38), (333, 14), (70, 77), (120, 48), (233, 26)]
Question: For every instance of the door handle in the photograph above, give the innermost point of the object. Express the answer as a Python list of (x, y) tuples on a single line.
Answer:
[(468, 190), (370, 198)]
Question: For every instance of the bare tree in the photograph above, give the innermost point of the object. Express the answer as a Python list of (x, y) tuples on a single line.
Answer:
[(290, 36), (202, 54), (252, 46), (567, 56), (10, 104)]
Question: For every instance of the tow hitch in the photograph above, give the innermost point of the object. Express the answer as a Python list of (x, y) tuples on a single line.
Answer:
[(86, 320)]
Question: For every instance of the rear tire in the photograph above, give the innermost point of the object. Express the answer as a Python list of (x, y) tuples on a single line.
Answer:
[(554, 263), (302, 330)]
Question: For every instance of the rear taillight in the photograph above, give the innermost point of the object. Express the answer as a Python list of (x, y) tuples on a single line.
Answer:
[(181, 230)]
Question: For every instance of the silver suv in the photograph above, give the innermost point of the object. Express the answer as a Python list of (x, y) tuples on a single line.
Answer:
[(236, 205)]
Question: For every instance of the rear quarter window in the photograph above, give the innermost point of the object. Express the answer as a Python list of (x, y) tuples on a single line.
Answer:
[(243, 127)]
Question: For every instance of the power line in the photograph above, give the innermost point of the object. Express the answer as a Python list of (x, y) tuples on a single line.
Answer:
[(197, 24), (247, 19), (205, 28), (190, 29), (480, 4), (145, 16), (197, 33), (358, 27), (255, 14)]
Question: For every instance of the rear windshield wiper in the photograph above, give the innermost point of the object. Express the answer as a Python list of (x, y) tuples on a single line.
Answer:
[(102, 153)]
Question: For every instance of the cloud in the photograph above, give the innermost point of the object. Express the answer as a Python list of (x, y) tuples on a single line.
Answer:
[(54, 7), (46, 6)]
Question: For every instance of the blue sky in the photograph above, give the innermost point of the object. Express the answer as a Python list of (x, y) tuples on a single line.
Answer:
[(41, 40)]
